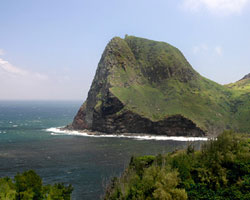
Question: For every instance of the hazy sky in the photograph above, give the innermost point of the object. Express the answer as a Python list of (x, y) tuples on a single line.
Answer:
[(49, 49)]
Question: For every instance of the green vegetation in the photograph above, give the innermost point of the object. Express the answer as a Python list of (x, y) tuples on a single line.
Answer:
[(28, 186), (241, 103), (220, 170), (154, 80), (242, 86)]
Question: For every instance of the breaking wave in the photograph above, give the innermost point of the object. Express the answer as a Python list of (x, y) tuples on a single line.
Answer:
[(59, 131)]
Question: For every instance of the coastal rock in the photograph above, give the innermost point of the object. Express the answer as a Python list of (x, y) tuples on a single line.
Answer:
[(107, 120), (144, 86)]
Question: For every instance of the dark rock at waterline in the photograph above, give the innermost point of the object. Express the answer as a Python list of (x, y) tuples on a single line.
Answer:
[(128, 122)]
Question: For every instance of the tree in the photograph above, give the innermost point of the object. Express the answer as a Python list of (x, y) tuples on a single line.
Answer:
[(7, 189), (28, 185)]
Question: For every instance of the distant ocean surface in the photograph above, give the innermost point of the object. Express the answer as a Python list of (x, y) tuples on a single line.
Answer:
[(29, 139)]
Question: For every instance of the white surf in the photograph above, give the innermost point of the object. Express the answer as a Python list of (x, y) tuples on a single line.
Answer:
[(58, 131)]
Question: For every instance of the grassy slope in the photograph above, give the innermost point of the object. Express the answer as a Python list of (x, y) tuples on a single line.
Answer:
[(241, 99), (242, 86), (205, 102)]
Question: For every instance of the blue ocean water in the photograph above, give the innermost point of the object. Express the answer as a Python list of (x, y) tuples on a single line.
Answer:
[(85, 162)]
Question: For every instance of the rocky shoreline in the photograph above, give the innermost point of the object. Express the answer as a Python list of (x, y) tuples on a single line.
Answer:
[(142, 136)]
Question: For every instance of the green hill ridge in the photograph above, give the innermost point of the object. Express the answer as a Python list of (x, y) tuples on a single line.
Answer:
[(145, 86)]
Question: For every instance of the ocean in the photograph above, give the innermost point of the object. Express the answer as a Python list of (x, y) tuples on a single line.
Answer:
[(30, 139)]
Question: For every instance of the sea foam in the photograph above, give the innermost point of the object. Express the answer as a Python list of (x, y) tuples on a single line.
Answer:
[(59, 131)]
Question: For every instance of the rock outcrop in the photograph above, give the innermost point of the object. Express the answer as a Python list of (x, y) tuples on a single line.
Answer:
[(108, 121), (144, 86), (246, 77)]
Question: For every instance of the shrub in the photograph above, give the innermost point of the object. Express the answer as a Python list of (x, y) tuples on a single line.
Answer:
[(220, 170), (28, 186)]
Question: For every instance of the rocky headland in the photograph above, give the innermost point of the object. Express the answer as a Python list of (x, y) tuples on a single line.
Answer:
[(145, 86)]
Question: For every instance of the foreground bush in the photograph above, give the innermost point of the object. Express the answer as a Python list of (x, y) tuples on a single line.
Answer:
[(28, 186), (220, 170)]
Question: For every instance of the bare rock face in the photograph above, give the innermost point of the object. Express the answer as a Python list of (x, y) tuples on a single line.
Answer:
[(246, 77), (107, 120), (123, 67)]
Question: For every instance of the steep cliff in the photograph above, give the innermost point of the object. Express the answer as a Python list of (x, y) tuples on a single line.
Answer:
[(144, 86)]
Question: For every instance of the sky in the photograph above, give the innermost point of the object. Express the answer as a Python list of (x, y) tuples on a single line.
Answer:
[(49, 50)]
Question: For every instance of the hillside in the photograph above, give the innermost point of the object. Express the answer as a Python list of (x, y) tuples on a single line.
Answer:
[(241, 103), (145, 86), (242, 85)]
